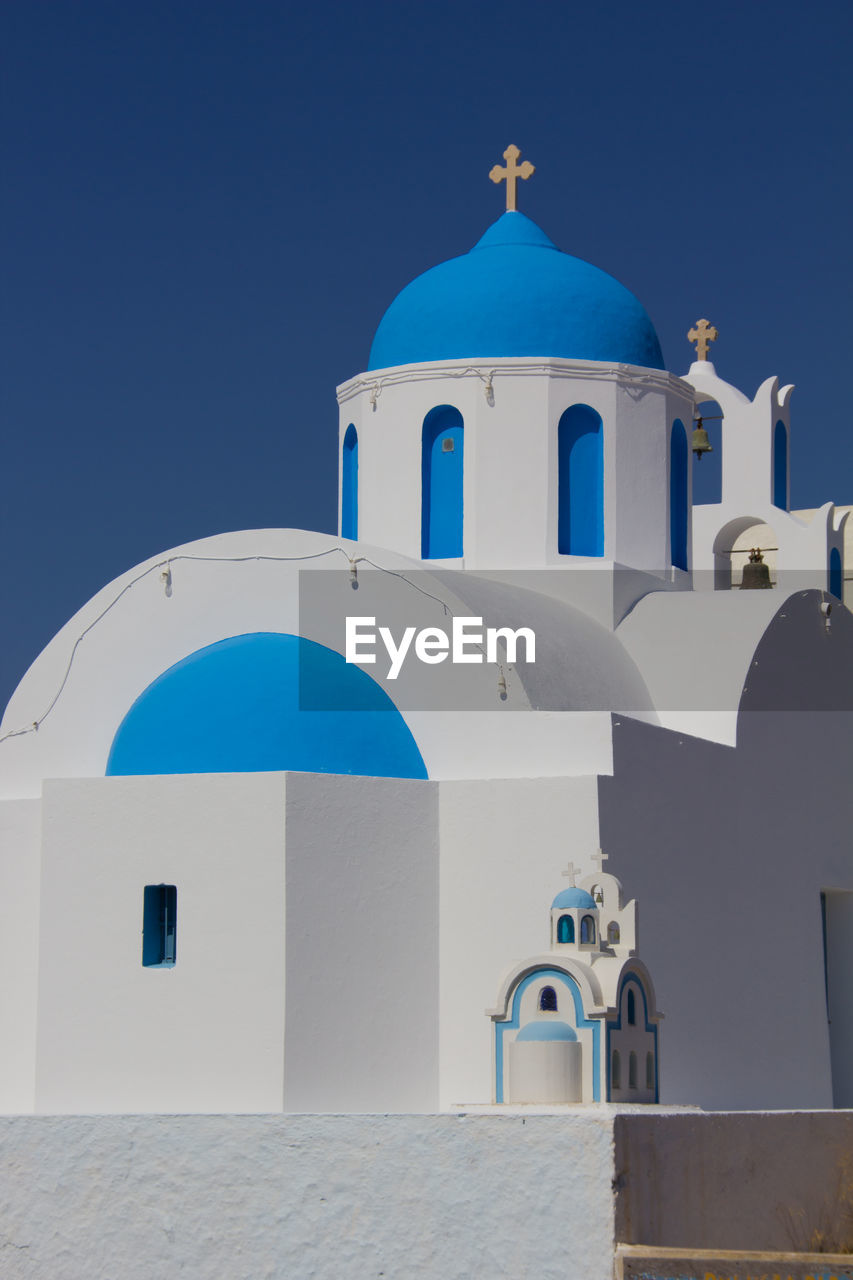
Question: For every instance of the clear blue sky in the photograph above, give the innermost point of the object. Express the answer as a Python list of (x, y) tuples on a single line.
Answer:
[(209, 205)]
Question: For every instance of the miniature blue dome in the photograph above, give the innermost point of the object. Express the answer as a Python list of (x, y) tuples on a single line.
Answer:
[(546, 1029), (515, 294), (573, 898)]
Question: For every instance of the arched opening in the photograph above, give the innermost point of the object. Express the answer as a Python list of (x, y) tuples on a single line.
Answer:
[(678, 506), (587, 929), (349, 484), (615, 1070), (565, 929), (632, 1008), (650, 1071), (613, 933), (580, 481), (836, 578), (708, 468), (632, 1070), (548, 1000), (780, 466), (442, 469), (732, 546)]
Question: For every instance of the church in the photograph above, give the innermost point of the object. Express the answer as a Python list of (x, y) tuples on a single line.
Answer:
[(248, 867)]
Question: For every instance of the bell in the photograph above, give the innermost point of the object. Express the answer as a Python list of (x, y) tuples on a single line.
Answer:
[(756, 574), (701, 444)]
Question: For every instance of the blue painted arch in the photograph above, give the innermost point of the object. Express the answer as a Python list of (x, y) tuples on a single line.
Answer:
[(836, 575), (442, 481), (780, 466), (678, 504), (580, 481), (558, 977), (349, 484), (265, 702)]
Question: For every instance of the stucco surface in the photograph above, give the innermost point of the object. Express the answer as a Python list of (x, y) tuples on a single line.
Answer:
[(263, 1197)]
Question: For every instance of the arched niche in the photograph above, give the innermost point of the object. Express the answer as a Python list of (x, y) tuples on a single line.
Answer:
[(732, 546), (836, 575), (580, 503), (678, 494), (780, 466), (442, 474), (349, 484)]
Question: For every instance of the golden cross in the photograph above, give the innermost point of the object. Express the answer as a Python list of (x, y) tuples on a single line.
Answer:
[(511, 172), (703, 334)]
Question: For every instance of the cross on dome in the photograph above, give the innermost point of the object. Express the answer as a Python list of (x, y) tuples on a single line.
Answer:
[(511, 172), (703, 334), (572, 872)]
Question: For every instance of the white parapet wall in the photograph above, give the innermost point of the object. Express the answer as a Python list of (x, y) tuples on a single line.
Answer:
[(525, 1192)]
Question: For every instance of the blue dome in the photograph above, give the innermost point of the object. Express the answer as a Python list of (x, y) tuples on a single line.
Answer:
[(261, 702), (573, 898), (515, 294), (546, 1029)]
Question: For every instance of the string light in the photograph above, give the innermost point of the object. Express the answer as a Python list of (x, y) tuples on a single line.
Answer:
[(164, 569)]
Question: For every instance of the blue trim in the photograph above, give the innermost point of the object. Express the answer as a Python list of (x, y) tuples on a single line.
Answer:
[(678, 506), (616, 1025), (836, 578), (580, 482), (512, 1022), (349, 485), (442, 478), (780, 466)]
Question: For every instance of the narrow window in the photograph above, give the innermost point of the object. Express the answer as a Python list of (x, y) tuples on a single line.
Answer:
[(587, 929), (159, 922), (780, 466), (615, 1071), (442, 471), (565, 929), (650, 1071), (349, 484), (632, 1008), (580, 482), (836, 585), (613, 933), (678, 495), (548, 1000), (632, 1070)]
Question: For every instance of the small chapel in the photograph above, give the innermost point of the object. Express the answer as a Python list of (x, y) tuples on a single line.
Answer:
[(244, 872)]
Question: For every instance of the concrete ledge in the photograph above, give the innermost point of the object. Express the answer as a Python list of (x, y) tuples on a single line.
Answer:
[(635, 1262)]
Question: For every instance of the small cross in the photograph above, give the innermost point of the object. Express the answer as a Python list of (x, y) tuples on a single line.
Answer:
[(703, 334), (572, 872), (600, 858), (511, 172)]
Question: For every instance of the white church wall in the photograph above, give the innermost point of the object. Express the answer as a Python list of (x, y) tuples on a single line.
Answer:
[(207, 1034), (20, 880), (504, 844), (735, 848), (362, 944)]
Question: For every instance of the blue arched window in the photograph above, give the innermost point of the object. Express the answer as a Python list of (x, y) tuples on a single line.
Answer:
[(678, 495), (780, 466), (632, 1008), (836, 580), (565, 929), (650, 1071), (349, 484), (632, 1070), (587, 929), (580, 453), (442, 469), (615, 1070), (548, 1000)]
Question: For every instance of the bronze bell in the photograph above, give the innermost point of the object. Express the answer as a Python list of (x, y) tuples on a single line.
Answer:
[(701, 444), (756, 574)]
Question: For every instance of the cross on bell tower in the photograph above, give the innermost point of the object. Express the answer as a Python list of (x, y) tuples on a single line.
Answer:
[(511, 172), (703, 334)]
